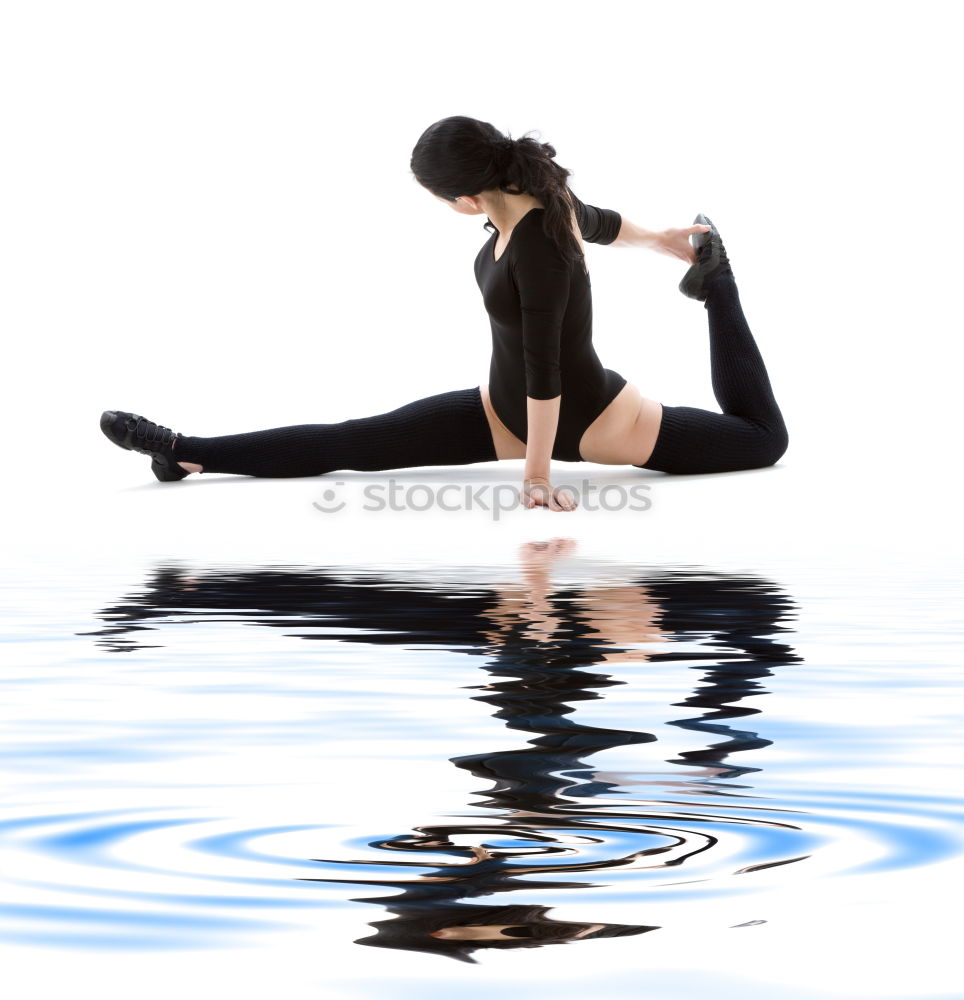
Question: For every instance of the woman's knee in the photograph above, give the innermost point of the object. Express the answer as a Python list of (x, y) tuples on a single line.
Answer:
[(778, 440)]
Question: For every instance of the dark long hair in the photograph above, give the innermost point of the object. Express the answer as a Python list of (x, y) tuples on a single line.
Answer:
[(459, 155)]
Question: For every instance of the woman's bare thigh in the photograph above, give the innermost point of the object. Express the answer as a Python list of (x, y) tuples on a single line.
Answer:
[(507, 445), (623, 434)]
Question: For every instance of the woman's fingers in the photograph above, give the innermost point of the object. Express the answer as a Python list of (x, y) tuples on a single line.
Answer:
[(562, 500), (556, 498), (535, 495), (693, 231), (676, 242)]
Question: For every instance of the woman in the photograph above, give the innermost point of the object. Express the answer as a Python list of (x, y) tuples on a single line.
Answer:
[(548, 396)]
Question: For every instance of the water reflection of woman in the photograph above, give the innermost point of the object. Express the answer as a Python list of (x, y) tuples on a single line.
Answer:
[(537, 641)]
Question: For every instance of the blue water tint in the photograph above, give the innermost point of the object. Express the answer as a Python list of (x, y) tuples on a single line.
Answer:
[(88, 843), (188, 899), (617, 740), (52, 938), (235, 844), (121, 919), (28, 822)]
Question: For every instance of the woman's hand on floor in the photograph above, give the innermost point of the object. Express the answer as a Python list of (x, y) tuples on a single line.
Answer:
[(539, 492), (676, 242)]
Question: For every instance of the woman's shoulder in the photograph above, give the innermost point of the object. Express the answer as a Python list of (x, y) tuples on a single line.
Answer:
[(531, 240)]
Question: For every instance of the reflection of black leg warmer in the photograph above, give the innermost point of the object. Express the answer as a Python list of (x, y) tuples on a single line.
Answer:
[(750, 432), (449, 428)]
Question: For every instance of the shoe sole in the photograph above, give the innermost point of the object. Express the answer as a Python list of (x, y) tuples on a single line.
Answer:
[(167, 473), (693, 282), (700, 238)]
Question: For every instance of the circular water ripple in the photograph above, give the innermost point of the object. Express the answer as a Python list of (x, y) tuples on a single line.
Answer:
[(125, 879), (664, 848), (130, 879)]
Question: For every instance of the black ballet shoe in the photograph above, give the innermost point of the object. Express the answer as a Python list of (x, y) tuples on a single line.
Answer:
[(711, 261), (136, 433)]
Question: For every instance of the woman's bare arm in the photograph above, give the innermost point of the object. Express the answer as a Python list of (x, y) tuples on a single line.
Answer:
[(631, 235), (543, 421), (542, 416), (673, 242)]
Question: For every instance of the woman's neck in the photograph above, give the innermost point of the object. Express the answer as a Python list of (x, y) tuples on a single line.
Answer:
[(505, 213)]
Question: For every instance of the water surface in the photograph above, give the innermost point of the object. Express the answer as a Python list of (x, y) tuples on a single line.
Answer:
[(472, 764)]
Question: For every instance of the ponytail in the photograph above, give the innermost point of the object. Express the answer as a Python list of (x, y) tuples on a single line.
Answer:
[(461, 155), (529, 167)]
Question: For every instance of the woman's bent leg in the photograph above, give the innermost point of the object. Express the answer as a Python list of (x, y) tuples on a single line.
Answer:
[(750, 432), (449, 428), (740, 381)]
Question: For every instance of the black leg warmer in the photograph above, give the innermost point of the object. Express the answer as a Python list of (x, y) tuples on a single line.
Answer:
[(750, 432), (449, 428)]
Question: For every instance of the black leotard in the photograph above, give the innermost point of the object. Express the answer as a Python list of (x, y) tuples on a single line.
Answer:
[(540, 310)]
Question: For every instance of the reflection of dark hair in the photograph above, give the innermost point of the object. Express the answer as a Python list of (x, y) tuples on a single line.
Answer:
[(532, 689), (412, 929), (460, 155)]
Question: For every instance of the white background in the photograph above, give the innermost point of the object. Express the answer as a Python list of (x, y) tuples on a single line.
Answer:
[(208, 217)]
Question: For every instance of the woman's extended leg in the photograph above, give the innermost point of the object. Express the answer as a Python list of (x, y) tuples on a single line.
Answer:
[(750, 432), (449, 428)]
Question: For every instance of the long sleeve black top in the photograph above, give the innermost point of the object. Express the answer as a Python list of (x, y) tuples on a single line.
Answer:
[(540, 311)]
